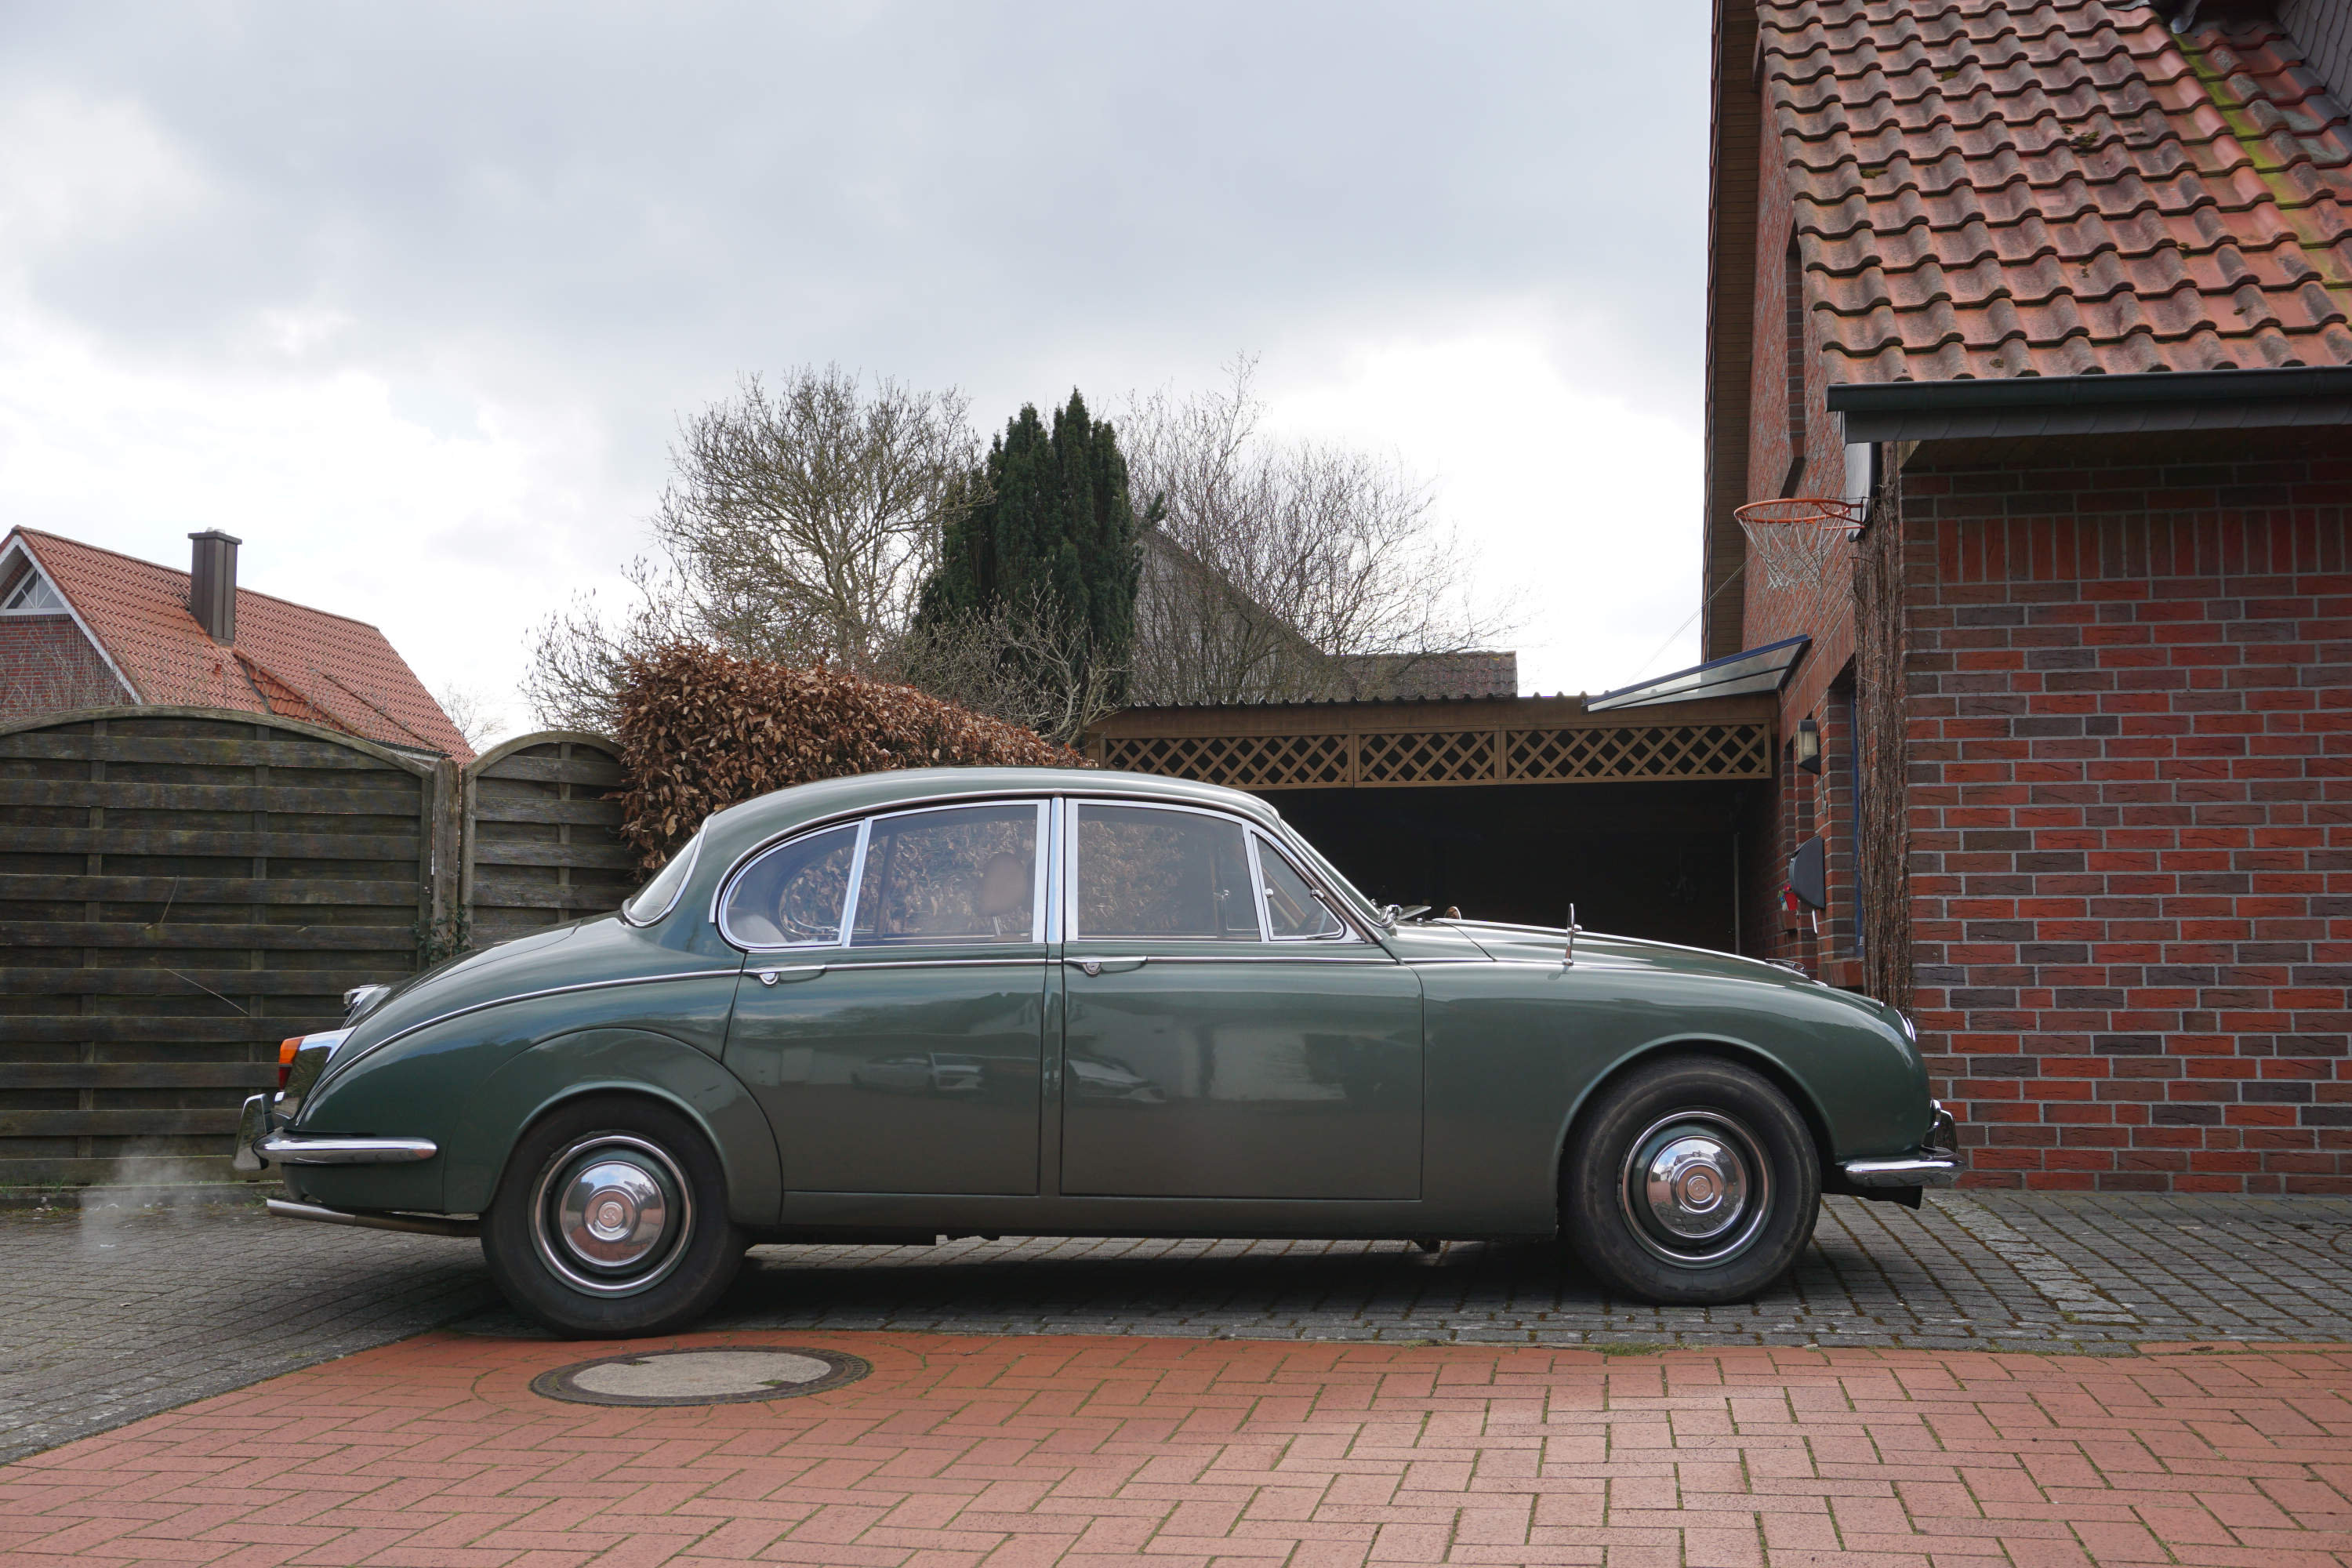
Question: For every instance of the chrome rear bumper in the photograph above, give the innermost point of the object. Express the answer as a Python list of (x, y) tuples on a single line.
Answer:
[(1935, 1164), (257, 1143)]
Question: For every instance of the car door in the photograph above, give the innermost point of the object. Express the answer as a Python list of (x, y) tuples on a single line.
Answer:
[(890, 1016), (1226, 1033)]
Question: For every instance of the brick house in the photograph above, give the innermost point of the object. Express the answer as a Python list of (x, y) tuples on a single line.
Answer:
[(2062, 287), (86, 627)]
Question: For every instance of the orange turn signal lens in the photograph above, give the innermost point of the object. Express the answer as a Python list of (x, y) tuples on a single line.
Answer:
[(285, 1050)]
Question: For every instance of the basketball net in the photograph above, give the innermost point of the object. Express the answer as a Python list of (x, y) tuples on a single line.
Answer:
[(1796, 539)]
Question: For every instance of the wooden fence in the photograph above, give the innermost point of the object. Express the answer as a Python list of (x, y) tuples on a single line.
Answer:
[(180, 889)]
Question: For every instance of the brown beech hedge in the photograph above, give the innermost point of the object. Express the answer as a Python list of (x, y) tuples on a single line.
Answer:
[(702, 730)]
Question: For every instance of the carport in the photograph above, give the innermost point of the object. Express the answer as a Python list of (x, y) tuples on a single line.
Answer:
[(1508, 807)]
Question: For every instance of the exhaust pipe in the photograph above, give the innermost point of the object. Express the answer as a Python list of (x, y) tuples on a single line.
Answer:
[(414, 1224)]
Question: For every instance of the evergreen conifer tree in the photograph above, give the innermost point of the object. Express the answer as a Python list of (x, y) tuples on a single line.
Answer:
[(1056, 535)]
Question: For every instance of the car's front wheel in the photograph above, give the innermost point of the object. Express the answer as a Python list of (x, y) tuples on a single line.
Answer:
[(610, 1220), (1690, 1181)]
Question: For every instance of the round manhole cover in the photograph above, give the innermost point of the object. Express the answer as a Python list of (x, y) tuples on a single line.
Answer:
[(727, 1376)]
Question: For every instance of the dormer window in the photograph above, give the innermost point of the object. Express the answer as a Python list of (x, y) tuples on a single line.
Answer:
[(31, 594)]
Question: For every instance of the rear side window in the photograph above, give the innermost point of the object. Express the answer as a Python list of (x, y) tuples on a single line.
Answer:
[(962, 875), (793, 895), (1143, 872), (655, 897), (1293, 912)]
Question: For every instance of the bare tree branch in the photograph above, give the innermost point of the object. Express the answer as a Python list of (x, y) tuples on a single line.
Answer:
[(799, 527), (1284, 569)]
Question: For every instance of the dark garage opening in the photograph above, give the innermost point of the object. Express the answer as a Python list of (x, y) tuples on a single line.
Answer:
[(1657, 858)]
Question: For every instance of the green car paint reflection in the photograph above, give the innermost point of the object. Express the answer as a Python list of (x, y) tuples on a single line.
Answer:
[(1045, 1002)]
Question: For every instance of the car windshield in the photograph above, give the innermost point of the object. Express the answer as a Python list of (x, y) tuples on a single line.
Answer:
[(655, 898)]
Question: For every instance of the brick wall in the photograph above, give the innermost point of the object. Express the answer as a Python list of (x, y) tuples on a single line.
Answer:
[(46, 666), (2131, 806)]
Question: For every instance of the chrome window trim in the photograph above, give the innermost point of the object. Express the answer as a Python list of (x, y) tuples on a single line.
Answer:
[(1346, 931), (845, 938), (743, 868), (1301, 957), (693, 853), (1071, 868), (1038, 884), (1029, 962)]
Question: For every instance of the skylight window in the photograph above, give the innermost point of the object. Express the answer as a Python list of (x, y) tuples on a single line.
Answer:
[(32, 595)]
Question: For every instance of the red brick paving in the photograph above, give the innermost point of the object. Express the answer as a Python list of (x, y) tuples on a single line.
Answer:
[(1016, 1453)]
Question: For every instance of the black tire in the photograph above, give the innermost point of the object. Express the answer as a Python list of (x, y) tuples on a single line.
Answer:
[(644, 1189), (1739, 1184)]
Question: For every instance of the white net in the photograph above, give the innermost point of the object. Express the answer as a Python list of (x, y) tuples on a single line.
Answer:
[(1796, 541)]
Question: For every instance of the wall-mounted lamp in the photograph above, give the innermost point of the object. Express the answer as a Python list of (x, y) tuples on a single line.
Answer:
[(1809, 746)]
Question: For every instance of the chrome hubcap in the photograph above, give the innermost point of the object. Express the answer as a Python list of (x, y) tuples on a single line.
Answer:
[(611, 1214), (1696, 1185), (1695, 1188)]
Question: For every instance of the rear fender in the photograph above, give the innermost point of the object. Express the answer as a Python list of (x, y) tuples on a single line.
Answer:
[(626, 1061)]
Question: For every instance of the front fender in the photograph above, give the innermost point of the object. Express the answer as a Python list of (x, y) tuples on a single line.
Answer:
[(634, 1061)]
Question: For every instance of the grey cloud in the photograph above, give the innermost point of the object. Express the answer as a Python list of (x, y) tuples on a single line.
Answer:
[(641, 203)]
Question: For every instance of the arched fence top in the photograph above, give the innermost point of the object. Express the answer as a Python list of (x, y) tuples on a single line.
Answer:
[(488, 760), (421, 763)]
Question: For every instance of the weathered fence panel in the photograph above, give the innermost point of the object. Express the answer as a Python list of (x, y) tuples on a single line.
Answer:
[(542, 845), (179, 890)]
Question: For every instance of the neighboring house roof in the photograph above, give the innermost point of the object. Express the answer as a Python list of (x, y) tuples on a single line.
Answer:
[(1433, 675), (287, 659), (2058, 187)]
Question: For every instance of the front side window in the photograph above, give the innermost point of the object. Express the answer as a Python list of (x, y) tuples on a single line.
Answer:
[(1149, 873), (961, 875), (1293, 912), (793, 895), (656, 897)]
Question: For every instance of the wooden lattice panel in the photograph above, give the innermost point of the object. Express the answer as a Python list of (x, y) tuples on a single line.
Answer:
[(1424, 757), (1241, 761), (1408, 758), (1597, 756)]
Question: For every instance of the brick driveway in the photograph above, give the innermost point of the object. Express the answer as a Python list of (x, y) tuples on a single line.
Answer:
[(113, 1315), (1076, 1449)]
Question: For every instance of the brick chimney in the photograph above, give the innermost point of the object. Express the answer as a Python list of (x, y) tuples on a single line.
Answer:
[(212, 583)]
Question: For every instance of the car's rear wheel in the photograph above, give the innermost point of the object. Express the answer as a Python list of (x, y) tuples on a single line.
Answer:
[(612, 1220), (1691, 1180)]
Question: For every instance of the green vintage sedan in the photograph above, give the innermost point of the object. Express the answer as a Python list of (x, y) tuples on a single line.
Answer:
[(995, 1002)]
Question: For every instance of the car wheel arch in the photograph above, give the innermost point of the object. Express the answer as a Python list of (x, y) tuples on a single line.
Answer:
[(636, 1062), (1720, 1048)]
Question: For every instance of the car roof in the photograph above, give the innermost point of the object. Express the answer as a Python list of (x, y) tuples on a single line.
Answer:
[(730, 833)]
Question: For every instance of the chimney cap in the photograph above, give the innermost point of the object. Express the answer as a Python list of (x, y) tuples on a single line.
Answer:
[(216, 533)]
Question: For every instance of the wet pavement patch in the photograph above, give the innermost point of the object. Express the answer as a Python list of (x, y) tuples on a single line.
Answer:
[(734, 1376)]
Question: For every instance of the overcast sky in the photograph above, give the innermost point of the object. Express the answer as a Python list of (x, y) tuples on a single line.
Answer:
[(411, 297)]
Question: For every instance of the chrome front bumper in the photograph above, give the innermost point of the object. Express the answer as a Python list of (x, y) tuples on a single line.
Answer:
[(1935, 1164), (258, 1144)]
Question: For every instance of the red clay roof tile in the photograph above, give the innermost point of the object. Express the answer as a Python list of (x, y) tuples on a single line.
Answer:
[(2059, 187), (287, 659)]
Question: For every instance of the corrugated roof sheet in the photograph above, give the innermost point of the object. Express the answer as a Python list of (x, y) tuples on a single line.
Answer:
[(287, 659), (2059, 187)]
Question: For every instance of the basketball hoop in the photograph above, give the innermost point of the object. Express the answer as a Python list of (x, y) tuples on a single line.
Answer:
[(1795, 538)]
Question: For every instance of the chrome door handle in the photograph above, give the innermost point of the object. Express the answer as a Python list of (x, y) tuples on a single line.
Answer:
[(794, 972), (1092, 966)]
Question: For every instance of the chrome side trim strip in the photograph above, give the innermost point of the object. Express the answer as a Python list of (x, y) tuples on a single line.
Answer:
[(414, 1224), (1926, 1169), (340, 1061), (1384, 963), (842, 966), (304, 1149)]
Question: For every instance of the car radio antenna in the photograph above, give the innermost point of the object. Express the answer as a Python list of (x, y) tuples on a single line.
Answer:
[(1568, 959)]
